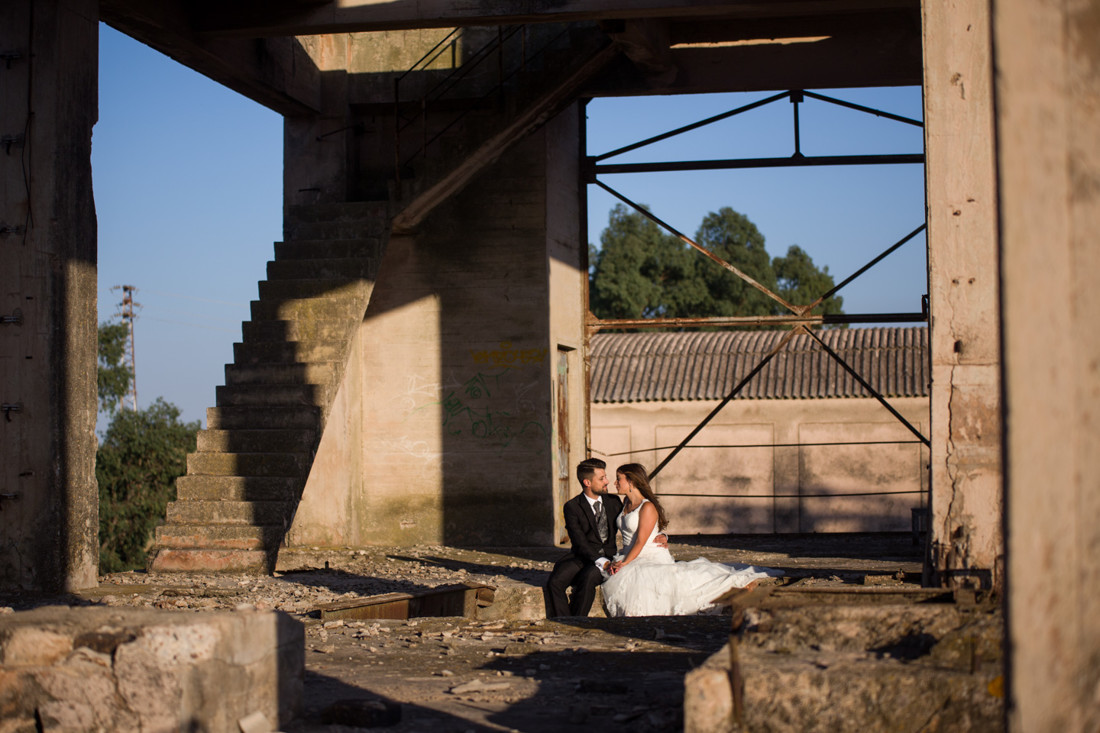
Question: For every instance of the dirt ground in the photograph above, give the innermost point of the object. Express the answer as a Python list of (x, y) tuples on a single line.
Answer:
[(459, 674)]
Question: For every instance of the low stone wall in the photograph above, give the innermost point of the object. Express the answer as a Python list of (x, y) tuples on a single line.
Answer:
[(923, 666), (134, 669)]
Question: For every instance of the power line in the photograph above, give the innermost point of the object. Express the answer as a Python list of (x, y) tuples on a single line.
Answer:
[(193, 325), (192, 297)]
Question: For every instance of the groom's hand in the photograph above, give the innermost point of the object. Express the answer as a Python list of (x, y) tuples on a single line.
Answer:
[(661, 540)]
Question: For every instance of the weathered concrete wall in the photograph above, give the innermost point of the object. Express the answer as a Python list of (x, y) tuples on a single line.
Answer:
[(622, 433), (1047, 67), (48, 496), (444, 427), (126, 669), (967, 546)]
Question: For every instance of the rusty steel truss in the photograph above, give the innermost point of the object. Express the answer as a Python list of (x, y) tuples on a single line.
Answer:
[(801, 318)]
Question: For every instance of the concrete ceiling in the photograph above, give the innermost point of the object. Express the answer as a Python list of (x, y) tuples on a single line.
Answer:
[(669, 46)]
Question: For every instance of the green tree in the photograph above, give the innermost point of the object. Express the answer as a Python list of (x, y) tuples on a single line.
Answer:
[(801, 283), (138, 459), (731, 236), (114, 375), (641, 272), (142, 454)]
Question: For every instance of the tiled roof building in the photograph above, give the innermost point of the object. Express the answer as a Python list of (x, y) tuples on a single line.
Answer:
[(645, 367), (802, 448)]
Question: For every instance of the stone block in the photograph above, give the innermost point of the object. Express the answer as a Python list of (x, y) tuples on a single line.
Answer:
[(853, 668), (115, 669), (29, 647)]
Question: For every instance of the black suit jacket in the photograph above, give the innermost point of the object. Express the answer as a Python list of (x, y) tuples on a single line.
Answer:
[(580, 523)]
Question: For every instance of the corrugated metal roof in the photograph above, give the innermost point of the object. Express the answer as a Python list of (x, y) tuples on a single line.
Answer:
[(644, 367)]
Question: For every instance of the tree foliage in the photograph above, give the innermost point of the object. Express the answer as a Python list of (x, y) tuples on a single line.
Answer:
[(138, 461), (114, 375), (640, 271)]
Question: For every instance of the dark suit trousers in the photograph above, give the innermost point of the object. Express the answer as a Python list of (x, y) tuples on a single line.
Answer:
[(579, 574)]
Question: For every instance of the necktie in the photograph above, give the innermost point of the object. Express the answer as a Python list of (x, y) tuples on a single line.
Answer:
[(601, 525)]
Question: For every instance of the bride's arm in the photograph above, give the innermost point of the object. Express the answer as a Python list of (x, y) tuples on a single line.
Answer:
[(646, 520)]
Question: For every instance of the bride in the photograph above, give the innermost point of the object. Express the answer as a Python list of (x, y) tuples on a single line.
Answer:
[(644, 580)]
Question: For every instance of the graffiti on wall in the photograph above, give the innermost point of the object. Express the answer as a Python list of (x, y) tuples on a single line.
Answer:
[(490, 407)]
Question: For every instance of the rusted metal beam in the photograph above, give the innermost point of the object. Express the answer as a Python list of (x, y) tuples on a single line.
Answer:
[(796, 309), (733, 393), (595, 324), (866, 385)]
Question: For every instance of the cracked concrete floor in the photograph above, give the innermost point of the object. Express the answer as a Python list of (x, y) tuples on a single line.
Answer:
[(457, 674)]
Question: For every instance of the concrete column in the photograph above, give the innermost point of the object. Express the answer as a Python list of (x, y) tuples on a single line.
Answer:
[(48, 104), (1047, 66), (965, 540)]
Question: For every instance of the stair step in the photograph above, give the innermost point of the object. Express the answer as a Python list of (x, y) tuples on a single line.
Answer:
[(316, 249), (306, 309), (253, 417), (227, 512), (326, 329), (271, 394), (238, 488), (219, 536), (170, 560), (323, 269), (336, 221), (314, 372), (206, 463), (288, 352), (329, 287), (256, 441)]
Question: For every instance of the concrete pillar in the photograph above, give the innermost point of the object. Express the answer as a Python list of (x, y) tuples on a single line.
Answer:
[(1047, 67), (48, 104), (965, 540)]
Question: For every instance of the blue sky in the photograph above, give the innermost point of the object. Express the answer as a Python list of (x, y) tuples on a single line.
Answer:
[(188, 190)]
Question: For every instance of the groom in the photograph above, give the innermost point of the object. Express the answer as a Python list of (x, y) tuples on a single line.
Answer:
[(590, 521)]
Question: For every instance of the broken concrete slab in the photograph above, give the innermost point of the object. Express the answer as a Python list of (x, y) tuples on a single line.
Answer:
[(796, 662)]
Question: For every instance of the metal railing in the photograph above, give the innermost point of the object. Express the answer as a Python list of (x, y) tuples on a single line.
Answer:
[(510, 47)]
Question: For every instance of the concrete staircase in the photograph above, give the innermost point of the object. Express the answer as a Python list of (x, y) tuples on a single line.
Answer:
[(243, 483), (244, 480)]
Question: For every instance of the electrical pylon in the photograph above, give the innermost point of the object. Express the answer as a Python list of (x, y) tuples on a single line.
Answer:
[(126, 312)]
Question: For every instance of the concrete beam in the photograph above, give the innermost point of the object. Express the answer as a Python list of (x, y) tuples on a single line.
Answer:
[(349, 16), (275, 72), (819, 52)]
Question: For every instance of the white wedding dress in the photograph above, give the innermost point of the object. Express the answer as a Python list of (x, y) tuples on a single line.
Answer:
[(654, 584)]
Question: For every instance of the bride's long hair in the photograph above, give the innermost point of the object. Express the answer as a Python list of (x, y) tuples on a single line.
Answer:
[(636, 474)]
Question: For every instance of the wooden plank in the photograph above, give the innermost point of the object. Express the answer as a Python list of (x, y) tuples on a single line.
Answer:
[(450, 600)]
